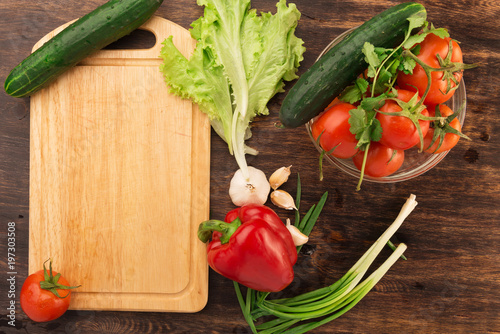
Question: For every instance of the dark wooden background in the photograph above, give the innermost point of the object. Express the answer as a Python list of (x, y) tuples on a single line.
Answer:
[(450, 283)]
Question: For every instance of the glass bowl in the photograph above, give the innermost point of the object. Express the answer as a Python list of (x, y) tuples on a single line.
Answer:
[(415, 163)]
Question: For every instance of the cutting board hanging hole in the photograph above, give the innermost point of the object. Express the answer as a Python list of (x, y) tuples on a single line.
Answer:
[(137, 39)]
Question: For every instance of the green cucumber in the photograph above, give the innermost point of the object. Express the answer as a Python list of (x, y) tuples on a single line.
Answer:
[(92, 32), (342, 64)]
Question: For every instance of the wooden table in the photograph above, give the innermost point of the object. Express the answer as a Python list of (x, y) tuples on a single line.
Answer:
[(450, 283)]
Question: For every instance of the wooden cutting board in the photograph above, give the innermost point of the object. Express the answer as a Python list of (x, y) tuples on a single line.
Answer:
[(119, 181)]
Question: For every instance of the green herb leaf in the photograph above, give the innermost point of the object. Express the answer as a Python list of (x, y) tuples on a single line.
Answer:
[(364, 125), (354, 93), (376, 133), (416, 21), (351, 94), (371, 57), (407, 65), (441, 32), (430, 28), (357, 120), (373, 103), (384, 78), (413, 40)]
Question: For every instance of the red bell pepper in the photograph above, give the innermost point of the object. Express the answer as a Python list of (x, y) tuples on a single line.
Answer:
[(252, 247)]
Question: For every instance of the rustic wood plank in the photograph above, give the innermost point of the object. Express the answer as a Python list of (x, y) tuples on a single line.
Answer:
[(449, 283)]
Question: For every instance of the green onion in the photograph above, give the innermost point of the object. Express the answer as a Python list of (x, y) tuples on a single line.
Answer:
[(312, 309), (393, 247), (244, 307)]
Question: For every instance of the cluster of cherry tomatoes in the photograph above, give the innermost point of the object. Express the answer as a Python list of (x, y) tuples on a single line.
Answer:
[(399, 133)]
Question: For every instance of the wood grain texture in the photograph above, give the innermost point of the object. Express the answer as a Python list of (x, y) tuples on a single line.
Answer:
[(119, 181), (449, 283)]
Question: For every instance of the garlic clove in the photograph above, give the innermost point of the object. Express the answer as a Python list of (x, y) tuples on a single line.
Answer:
[(255, 190), (279, 177), (298, 237), (283, 200)]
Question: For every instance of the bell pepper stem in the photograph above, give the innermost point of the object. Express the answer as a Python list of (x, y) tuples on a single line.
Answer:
[(227, 229)]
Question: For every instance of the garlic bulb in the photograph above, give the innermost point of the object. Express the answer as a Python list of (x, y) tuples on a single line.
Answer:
[(298, 237), (282, 199), (279, 177), (252, 191)]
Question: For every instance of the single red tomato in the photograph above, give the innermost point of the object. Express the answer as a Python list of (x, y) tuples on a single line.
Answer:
[(439, 92), (334, 128), (399, 132), (444, 140), (45, 296), (380, 160)]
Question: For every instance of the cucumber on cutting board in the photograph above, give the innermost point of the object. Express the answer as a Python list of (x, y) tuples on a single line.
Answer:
[(342, 64), (92, 32)]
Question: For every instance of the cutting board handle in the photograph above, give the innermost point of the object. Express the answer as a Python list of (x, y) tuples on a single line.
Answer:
[(161, 29)]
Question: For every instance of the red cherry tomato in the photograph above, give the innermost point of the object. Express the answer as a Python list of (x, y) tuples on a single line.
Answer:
[(43, 305), (333, 126), (399, 132), (449, 139), (380, 161), (431, 46)]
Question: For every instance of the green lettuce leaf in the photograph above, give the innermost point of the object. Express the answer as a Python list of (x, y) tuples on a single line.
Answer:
[(240, 62)]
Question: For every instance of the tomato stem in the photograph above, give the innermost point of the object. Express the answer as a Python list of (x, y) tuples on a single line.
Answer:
[(50, 281), (446, 66), (442, 127), (427, 73), (322, 154)]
